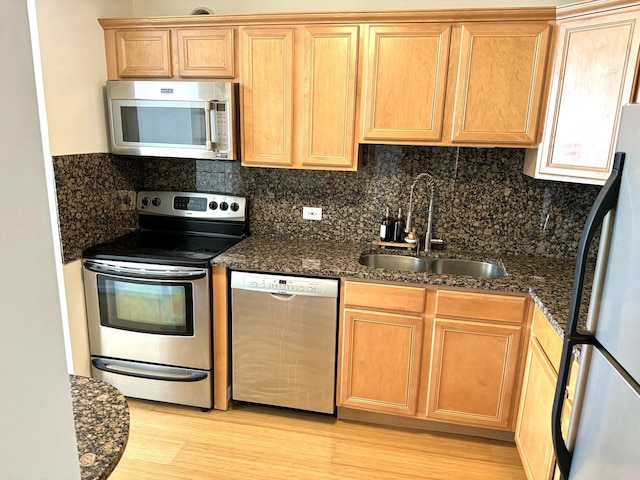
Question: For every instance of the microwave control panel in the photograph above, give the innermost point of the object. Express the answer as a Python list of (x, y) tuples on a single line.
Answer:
[(220, 128)]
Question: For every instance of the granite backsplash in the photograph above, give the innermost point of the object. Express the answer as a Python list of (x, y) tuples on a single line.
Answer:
[(482, 198)]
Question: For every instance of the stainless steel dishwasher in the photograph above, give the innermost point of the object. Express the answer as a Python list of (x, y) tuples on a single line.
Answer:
[(283, 340)]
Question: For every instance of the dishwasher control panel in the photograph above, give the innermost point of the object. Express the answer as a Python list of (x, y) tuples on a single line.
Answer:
[(321, 287)]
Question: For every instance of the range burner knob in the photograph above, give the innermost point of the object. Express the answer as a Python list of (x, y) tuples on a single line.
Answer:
[(156, 202), (146, 201), (235, 207), (224, 206), (213, 204)]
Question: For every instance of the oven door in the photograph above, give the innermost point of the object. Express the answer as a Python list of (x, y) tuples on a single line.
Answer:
[(149, 313)]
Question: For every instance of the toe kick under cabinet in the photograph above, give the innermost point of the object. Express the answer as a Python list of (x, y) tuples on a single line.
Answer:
[(445, 355)]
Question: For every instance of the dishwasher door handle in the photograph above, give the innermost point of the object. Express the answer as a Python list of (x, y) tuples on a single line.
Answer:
[(283, 297)]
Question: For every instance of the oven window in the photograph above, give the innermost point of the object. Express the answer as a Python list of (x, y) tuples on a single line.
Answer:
[(146, 306)]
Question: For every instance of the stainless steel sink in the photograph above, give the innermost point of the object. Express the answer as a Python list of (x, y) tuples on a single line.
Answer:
[(472, 268), (443, 266), (394, 262)]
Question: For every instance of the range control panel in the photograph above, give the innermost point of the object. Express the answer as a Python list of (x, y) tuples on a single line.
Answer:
[(190, 204)]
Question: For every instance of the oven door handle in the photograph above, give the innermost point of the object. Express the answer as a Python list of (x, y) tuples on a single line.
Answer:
[(133, 272), (149, 371)]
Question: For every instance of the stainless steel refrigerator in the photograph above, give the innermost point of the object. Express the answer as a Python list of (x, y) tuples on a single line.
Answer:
[(604, 434)]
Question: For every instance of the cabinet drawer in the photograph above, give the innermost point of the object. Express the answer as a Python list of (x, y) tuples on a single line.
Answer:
[(481, 306), (547, 337), (386, 297)]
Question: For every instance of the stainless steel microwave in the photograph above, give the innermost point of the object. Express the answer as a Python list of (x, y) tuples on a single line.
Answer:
[(173, 119)]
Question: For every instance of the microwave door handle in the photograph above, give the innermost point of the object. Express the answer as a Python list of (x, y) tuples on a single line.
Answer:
[(209, 127)]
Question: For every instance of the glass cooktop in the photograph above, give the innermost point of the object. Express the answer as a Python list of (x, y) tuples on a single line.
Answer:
[(162, 248)]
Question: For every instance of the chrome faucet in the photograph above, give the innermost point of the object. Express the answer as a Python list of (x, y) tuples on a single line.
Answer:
[(428, 235)]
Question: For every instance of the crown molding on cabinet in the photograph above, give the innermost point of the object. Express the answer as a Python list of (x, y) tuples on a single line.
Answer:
[(529, 14), (591, 7)]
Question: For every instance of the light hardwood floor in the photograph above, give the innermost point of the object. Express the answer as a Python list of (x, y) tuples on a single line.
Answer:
[(252, 442)]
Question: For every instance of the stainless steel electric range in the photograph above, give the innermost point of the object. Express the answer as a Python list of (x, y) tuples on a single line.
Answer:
[(148, 296)]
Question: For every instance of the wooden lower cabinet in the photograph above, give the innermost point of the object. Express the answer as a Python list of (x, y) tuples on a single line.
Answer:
[(533, 433), (380, 366), (533, 427), (404, 358), (473, 375)]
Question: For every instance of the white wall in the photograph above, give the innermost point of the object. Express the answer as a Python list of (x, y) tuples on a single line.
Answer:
[(143, 8), (74, 71), (38, 436)]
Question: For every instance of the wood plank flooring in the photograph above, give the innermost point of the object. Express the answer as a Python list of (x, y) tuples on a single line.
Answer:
[(252, 442)]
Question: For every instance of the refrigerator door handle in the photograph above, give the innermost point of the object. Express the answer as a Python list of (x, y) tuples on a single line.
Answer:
[(604, 203)]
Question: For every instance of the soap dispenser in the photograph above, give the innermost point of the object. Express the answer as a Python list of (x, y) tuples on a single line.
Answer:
[(398, 227), (386, 227)]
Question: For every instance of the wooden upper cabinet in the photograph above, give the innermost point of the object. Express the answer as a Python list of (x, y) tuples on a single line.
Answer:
[(299, 96), (593, 76), (500, 82), (267, 96), (326, 95), (189, 53), (206, 52), (142, 54), (404, 82)]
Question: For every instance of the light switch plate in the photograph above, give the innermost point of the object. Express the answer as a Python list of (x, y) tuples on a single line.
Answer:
[(312, 213)]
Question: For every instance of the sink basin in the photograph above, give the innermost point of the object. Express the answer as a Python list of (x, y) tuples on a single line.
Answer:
[(443, 266), (472, 268), (394, 262)]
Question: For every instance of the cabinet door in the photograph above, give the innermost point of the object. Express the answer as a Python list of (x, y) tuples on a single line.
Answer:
[(267, 96), (500, 81), (593, 77), (404, 81), (533, 429), (326, 96), (206, 52), (380, 365), (473, 372), (144, 53)]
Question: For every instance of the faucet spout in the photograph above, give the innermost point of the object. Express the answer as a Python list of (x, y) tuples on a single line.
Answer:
[(428, 237)]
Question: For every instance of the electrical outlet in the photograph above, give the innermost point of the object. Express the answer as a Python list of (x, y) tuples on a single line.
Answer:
[(311, 213)]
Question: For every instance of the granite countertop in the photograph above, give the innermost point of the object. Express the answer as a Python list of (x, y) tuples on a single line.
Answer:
[(101, 417), (548, 280)]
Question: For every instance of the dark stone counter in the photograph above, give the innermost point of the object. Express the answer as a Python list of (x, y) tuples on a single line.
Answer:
[(101, 417), (548, 280)]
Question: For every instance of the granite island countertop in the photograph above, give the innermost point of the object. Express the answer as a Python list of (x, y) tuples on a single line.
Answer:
[(101, 418), (548, 280)]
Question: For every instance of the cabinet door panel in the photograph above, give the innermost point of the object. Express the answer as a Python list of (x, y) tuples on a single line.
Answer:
[(143, 53), (404, 81), (592, 78), (327, 92), (500, 82), (473, 373), (267, 91), (206, 53), (380, 361), (533, 430)]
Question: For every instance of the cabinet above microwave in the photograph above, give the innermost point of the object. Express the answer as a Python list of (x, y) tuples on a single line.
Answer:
[(173, 119)]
